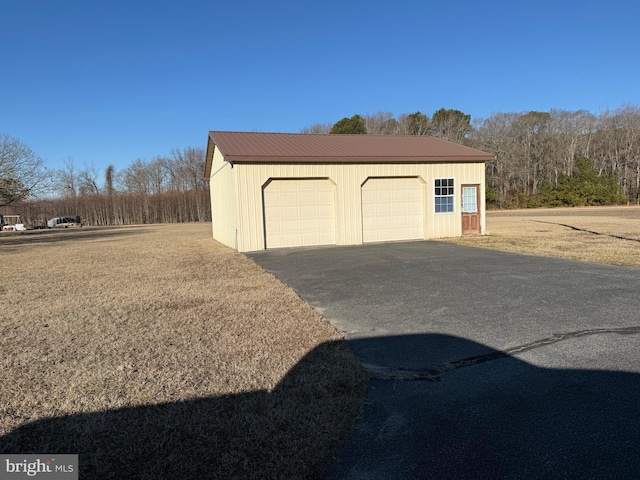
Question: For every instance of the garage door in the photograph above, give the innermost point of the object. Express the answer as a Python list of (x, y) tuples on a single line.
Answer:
[(392, 209), (299, 213)]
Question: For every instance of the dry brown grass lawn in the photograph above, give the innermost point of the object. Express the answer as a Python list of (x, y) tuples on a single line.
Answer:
[(595, 234), (155, 352)]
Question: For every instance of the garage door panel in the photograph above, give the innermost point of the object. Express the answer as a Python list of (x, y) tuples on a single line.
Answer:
[(400, 209), (275, 198), (308, 198), (384, 209), (299, 212), (415, 195), (308, 211), (392, 209), (327, 212), (399, 196), (288, 240), (326, 198), (326, 238), (290, 226), (383, 196), (276, 231), (290, 197), (400, 222), (309, 225), (415, 208), (289, 211), (368, 196), (368, 223)]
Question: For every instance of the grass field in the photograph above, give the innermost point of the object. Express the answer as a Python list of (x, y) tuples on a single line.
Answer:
[(155, 352), (595, 234)]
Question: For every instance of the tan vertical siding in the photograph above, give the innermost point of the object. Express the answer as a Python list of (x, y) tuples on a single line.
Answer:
[(348, 178), (222, 185), (449, 224)]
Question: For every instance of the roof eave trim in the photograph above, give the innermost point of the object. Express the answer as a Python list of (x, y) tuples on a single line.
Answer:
[(208, 159), (279, 159)]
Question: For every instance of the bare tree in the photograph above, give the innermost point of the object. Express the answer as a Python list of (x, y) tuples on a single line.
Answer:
[(135, 178), (381, 123), (157, 173), (185, 169), (531, 132), (88, 181), (66, 179), (571, 136), (616, 147), (322, 128), (414, 124), (22, 172)]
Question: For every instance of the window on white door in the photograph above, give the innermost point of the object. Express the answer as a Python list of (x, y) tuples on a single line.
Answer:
[(469, 200)]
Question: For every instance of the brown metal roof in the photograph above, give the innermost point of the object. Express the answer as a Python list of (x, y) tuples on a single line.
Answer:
[(256, 147)]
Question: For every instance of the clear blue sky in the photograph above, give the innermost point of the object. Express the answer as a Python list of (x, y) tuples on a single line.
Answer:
[(110, 81)]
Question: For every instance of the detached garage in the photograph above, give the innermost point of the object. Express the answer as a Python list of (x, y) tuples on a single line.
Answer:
[(276, 190)]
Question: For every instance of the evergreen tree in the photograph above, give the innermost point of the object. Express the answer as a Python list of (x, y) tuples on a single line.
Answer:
[(354, 126)]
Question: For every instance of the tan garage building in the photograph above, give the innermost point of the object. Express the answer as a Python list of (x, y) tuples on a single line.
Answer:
[(274, 190)]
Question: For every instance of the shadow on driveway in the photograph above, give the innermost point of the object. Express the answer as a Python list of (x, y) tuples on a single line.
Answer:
[(502, 418), (488, 415)]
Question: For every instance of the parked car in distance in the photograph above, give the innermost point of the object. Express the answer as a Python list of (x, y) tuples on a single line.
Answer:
[(64, 222)]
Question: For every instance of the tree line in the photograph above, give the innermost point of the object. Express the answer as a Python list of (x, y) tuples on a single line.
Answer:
[(561, 157), (542, 159), (166, 189), (550, 158)]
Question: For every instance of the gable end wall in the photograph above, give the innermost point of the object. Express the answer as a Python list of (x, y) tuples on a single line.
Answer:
[(222, 185)]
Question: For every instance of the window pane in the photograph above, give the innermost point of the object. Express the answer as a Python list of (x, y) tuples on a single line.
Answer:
[(450, 204), (443, 195), (469, 199)]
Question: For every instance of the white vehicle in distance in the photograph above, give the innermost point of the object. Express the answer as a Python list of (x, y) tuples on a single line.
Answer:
[(64, 222)]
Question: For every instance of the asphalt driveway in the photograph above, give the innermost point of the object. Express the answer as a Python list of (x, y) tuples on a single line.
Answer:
[(484, 364)]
